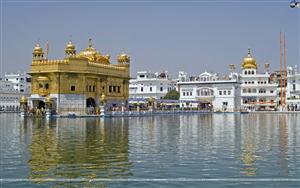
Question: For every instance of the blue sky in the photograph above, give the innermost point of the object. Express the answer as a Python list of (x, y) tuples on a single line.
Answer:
[(168, 35)]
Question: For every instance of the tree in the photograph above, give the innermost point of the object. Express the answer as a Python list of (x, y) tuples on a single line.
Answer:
[(172, 95)]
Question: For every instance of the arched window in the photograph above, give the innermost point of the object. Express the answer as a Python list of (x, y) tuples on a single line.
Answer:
[(253, 72), (72, 88)]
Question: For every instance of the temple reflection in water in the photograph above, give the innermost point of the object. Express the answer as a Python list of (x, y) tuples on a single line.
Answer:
[(184, 146), (85, 148)]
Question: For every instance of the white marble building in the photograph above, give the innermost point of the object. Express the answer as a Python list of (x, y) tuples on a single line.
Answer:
[(293, 88), (258, 90), (147, 84), (21, 81), (9, 98), (209, 91)]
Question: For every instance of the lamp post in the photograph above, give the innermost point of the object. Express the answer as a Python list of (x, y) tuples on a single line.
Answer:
[(150, 104), (23, 106), (48, 103), (102, 105)]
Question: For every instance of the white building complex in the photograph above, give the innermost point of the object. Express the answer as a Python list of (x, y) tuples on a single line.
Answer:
[(21, 81), (147, 84), (12, 87), (258, 90), (293, 88), (209, 91)]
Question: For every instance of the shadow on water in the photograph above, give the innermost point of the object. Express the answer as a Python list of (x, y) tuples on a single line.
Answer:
[(78, 148)]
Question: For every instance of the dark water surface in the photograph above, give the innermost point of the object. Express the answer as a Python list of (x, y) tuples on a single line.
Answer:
[(220, 150)]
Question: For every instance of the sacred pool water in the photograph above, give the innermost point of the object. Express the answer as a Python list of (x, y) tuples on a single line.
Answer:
[(200, 150)]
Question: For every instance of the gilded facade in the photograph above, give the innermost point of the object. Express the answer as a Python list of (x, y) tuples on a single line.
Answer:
[(78, 81)]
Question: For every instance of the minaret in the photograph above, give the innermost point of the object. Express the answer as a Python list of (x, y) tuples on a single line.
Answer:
[(70, 49), (38, 53)]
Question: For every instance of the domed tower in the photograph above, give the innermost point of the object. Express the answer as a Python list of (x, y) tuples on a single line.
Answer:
[(70, 49), (38, 53), (249, 65), (123, 59)]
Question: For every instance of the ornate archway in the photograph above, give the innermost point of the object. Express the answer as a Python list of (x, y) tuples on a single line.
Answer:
[(90, 102)]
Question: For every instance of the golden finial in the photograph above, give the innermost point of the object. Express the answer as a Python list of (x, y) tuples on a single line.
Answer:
[(90, 43), (249, 52)]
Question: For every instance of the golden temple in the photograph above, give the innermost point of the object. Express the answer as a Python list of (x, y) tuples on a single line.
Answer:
[(78, 81)]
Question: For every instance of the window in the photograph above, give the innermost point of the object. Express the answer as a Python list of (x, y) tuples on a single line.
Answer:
[(229, 92), (110, 89), (271, 91), (161, 88), (183, 93), (191, 94), (72, 88), (47, 86), (90, 88), (224, 92), (114, 88), (40, 86), (94, 88), (142, 89), (119, 88), (150, 89), (220, 92), (252, 72)]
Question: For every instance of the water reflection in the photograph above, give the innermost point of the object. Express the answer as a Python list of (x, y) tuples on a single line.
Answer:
[(183, 146), (78, 148)]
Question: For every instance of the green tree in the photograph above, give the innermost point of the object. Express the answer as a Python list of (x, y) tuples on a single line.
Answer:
[(172, 95)]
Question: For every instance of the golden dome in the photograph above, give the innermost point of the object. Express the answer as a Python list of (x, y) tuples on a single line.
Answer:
[(107, 56), (38, 49), (249, 61), (70, 45), (123, 58), (93, 55), (70, 48)]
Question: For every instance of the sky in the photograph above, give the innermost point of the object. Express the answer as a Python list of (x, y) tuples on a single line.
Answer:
[(173, 35)]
